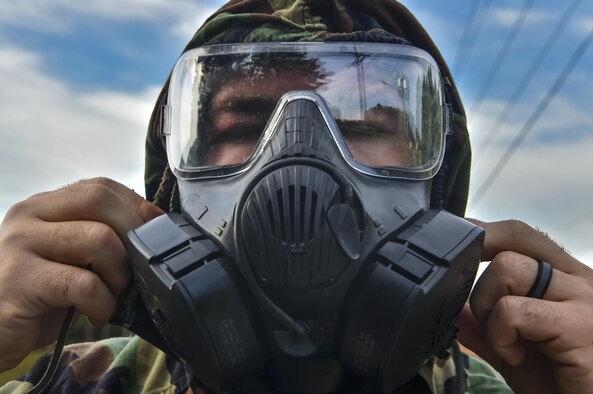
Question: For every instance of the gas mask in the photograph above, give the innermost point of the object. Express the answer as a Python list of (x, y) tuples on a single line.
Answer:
[(306, 253)]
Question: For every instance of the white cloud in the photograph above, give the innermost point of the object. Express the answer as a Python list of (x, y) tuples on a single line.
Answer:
[(36, 15), (585, 25), (52, 135), (59, 15), (187, 27), (128, 9), (548, 185), (565, 117), (507, 16)]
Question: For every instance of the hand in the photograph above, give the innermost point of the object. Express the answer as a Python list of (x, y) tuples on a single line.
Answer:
[(538, 345), (59, 249)]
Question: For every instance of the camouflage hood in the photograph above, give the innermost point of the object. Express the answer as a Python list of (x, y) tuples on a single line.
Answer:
[(384, 21)]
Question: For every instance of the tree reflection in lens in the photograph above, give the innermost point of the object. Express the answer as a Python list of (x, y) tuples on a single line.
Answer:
[(243, 91)]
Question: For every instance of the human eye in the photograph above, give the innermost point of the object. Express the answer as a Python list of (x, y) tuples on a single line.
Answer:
[(234, 128), (232, 136), (357, 129)]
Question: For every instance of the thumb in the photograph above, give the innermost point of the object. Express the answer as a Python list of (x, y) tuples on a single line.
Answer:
[(471, 336)]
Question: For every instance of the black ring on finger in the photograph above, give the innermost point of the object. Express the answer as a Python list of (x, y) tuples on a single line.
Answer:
[(542, 280)]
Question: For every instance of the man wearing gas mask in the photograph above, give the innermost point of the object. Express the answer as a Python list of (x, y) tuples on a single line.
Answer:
[(313, 159)]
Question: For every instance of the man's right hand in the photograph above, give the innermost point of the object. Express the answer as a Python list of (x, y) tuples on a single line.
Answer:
[(60, 249)]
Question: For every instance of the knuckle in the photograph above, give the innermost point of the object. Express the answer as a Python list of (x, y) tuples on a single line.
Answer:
[(503, 265), (20, 209), (504, 306), (92, 287), (503, 261), (11, 236), (108, 242), (512, 265), (97, 195), (15, 249), (89, 283), (10, 312), (103, 181), (144, 209), (14, 269), (517, 228), (582, 361), (103, 236)]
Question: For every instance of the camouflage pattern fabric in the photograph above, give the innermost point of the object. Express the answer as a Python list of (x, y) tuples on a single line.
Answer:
[(131, 365), (384, 21), (115, 365)]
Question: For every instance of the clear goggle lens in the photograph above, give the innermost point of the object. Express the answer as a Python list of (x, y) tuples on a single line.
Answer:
[(387, 101)]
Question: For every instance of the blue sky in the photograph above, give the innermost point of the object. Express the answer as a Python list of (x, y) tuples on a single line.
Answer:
[(80, 78)]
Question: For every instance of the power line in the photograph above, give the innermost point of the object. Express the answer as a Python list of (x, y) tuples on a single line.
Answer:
[(500, 57), (527, 78), (461, 49), (470, 33), (542, 106)]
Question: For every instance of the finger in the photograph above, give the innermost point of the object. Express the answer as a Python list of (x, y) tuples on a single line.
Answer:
[(555, 327), (53, 286), (90, 245), (145, 209), (471, 336), (512, 273), (95, 202), (516, 236)]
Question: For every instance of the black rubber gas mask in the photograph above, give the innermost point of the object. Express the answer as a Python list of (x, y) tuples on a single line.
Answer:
[(306, 254)]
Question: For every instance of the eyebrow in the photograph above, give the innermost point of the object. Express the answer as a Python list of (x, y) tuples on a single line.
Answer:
[(243, 103)]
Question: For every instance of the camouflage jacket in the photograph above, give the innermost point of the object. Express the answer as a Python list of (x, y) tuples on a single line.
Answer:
[(131, 365)]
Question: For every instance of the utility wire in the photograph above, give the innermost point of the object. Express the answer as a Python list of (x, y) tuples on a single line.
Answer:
[(470, 35), (528, 77), (542, 106), (467, 27), (500, 57)]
